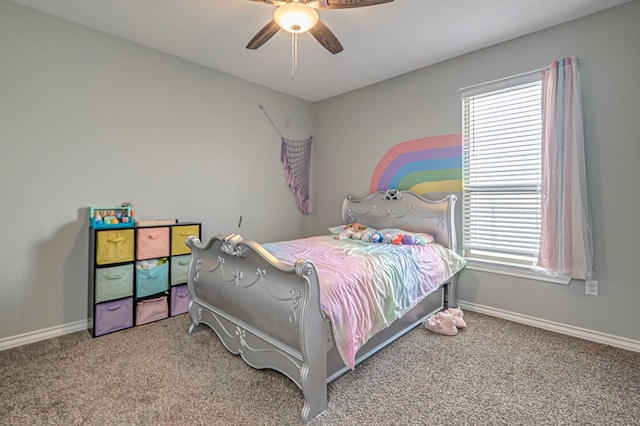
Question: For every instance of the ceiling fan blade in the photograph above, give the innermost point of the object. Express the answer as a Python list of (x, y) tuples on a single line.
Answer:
[(346, 4), (263, 35), (326, 38), (317, 4), (273, 2)]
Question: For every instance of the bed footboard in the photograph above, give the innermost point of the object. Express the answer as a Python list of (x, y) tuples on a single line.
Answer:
[(262, 309), (269, 313)]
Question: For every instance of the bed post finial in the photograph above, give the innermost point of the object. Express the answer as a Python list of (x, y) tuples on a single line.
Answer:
[(231, 245)]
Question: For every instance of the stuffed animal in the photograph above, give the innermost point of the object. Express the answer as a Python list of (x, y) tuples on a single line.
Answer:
[(376, 237), (396, 239), (408, 239), (352, 230)]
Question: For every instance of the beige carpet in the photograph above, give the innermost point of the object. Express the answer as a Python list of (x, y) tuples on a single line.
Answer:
[(493, 373)]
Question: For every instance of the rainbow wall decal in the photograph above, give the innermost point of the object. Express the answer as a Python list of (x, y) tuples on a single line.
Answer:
[(431, 164)]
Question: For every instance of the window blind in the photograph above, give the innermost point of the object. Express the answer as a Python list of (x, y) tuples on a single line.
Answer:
[(502, 131)]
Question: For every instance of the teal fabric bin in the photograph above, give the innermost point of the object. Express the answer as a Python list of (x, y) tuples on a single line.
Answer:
[(152, 281), (114, 282), (180, 269)]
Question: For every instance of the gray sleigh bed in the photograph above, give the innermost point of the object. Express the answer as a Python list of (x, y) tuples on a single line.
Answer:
[(269, 312)]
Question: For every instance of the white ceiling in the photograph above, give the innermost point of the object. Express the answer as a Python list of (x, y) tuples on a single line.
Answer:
[(379, 42)]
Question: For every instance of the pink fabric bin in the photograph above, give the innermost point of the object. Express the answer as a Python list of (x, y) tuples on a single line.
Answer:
[(151, 310), (179, 300), (152, 242), (113, 316)]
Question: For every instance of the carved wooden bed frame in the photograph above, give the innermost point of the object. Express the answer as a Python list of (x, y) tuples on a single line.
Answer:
[(269, 312)]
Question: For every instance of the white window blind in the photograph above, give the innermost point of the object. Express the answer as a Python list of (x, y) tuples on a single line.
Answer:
[(502, 130)]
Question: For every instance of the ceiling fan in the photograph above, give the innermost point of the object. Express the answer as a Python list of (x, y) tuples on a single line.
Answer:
[(299, 16)]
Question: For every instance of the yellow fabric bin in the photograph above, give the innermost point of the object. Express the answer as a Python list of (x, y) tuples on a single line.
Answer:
[(114, 246), (179, 234)]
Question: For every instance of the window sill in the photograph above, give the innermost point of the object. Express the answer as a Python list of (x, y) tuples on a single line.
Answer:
[(513, 271)]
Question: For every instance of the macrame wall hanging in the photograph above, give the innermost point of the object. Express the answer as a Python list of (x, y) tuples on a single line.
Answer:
[(296, 162)]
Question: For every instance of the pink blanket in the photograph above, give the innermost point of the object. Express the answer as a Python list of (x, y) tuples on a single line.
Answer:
[(364, 287)]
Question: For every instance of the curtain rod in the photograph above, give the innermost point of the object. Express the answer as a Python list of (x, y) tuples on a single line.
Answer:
[(524, 74)]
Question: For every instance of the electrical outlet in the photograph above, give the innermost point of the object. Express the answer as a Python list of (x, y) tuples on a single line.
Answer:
[(591, 287)]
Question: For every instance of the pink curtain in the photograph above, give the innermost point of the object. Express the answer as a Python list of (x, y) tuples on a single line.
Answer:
[(566, 246)]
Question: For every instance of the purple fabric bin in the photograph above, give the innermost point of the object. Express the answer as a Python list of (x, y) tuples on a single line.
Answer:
[(113, 316), (179, 300)]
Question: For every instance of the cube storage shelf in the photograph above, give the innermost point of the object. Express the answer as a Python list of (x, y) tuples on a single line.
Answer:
[(137, 275)]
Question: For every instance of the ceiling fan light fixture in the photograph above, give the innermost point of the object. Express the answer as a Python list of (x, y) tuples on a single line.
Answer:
[(295, 17)]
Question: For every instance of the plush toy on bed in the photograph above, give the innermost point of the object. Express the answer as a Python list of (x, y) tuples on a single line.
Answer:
[(394, 237), (358, 231), (352, 231), (366, 236), (408, 239), (386, 238)]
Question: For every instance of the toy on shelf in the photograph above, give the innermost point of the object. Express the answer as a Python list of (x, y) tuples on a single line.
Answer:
[(112, 217)]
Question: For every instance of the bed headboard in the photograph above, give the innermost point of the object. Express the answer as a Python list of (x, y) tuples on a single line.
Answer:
[(405, 210)]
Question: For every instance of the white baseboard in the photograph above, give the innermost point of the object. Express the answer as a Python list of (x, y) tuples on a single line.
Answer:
[(582, 333), (47, 333)]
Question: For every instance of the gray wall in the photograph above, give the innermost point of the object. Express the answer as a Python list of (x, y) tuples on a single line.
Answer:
[(354, 131), (88, 119)]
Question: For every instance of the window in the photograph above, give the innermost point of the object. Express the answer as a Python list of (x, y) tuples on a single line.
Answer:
[(502, 131)]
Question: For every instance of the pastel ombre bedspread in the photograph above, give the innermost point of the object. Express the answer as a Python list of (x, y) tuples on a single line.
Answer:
[(364, 287)]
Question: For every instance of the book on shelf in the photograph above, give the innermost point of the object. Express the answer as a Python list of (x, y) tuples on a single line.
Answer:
[(155, 222)]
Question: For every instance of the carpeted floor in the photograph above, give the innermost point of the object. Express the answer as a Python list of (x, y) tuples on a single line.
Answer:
[(493, 373)]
